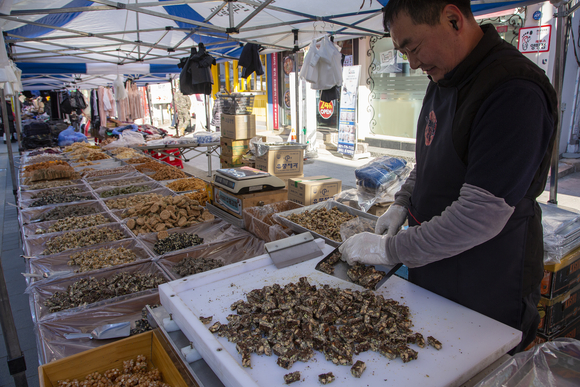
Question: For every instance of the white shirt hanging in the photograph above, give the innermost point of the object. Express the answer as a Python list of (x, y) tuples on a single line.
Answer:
[(309, 71), (119, 87), (327, 60)]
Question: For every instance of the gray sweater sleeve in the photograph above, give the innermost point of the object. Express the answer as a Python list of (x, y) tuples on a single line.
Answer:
[(474, 218), (403, 197)]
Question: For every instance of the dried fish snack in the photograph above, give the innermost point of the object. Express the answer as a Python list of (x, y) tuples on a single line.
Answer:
[(58, 198), (65, 212), (125, 153), (119, 182), (138, 160), (149, 166), (326, 378), (135, 373), (189, 184), (164, 214), (74, 223), (111, 171), (49, 184), (322, 221), (125, 190), (366, 276), (292, 377), (200, 196), (168, 172), (126, 202), (58, 191), (358, 368), (90, 290), (45, 165), (82, 238), (176, 241), (99, 258), (296, 319), (190, 265)]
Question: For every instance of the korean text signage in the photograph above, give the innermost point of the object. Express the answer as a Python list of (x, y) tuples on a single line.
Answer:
[(347, 133), (325, 109), (275, 90), (535, 39)]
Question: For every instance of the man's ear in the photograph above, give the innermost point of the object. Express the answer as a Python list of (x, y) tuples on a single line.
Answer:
[(452, 17)]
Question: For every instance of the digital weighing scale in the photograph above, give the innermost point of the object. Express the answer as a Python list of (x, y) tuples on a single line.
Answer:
[(245, 180)]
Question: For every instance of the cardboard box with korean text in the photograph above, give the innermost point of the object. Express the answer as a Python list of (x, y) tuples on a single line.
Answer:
[(282, 162), (312, 190)]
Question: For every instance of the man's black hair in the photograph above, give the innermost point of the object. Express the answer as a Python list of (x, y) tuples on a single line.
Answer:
[(421, 11)]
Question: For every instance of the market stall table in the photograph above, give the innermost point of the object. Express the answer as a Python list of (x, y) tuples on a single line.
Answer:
[(211, 147), (471, 341)]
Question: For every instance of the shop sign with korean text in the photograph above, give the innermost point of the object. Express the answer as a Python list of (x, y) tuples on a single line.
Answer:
[(535, 39), (347, 128)]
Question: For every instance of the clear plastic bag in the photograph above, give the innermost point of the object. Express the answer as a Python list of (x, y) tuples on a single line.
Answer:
[(355, 198), (260, 220), (561, 232), (554, 363), (356, 226)]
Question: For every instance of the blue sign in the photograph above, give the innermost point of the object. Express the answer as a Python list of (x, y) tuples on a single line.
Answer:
[(537, 15)]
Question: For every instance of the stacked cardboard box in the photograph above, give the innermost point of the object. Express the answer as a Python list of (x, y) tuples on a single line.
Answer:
[(283, 161), (237, 130), (312, 190)]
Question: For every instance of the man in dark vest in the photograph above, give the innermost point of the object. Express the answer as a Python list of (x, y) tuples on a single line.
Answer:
[(484, 140)]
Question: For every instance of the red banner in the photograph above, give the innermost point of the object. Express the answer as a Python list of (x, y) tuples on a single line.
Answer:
[(275, 91)]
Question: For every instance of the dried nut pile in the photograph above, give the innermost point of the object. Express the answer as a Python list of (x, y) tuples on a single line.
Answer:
[(90, 290), (119, 182), (168, 173), (99, 258), (59, 198), (74, 223), (65, 212), (295, 320), (125, 153), (85, 164), (49, 184), (82, 238), (138, 160), (80, 146), (150, 166), (93, 156), (322, 221), (44, 165), (51, 173), (125, 190), (366, 276), (43, 158), (189, 266), (58, 191), (164, 214), (112, 171), (176, 241), (126, 202), (190, 184), (142, 325), (200, 196), (134, 373)]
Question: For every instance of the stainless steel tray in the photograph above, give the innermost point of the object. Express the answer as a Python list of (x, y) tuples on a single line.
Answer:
[(282, 218)]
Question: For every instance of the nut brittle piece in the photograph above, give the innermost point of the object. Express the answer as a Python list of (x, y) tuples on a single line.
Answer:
[(358, 368), (326, 378), (292, 377)]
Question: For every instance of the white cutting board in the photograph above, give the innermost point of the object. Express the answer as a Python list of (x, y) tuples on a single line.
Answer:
[(470, 340)]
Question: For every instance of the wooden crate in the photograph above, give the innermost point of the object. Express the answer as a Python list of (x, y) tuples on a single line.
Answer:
[(112, 356)]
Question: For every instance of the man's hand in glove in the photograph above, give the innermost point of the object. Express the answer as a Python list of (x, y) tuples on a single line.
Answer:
[(366, 248), (391, 221)]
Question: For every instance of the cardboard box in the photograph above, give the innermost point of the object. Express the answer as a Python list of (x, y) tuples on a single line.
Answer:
[(312, 190), (231, 161), (558, 312), (231, 147), (561, 277), (238, 127), (572, 331), (235, 204), (151, 344), (378, 209), (282, 162)]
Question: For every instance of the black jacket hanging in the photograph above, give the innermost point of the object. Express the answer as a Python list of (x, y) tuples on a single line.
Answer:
[(250, 60)]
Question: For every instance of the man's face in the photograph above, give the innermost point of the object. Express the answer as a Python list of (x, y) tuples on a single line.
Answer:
[(429, 48)]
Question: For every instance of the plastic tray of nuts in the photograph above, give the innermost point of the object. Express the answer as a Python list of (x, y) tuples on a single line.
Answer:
[(282, 218), (45, 201), (86, 297), (78, 189), (96, 257), (49, 184), (44, 214), (112, 183), (67, 224), (110, 192)]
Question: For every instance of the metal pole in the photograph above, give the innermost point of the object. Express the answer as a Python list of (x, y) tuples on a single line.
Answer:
[(561, 34), (9, 145), (18, 121), (173, 107), (207, 99), (296, 87)]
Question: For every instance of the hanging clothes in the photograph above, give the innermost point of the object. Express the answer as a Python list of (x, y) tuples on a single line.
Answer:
[(309, 71), (250, 60), (327, 67), (197, 78)]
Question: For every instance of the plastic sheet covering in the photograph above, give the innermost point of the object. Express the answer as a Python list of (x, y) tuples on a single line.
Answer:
[(381, 173), (34, 246), (56, 265), (551, 364), (28, 195), (260, 221), (127, 139), (212, 231), (161, 191), (29, 230), (561, 232), (29, 215), (114, 183), (51, 343), (356, 226), (228, 251), (41, 291)]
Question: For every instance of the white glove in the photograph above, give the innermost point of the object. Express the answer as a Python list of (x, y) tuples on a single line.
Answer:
[(367, 248), (392, 220)]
